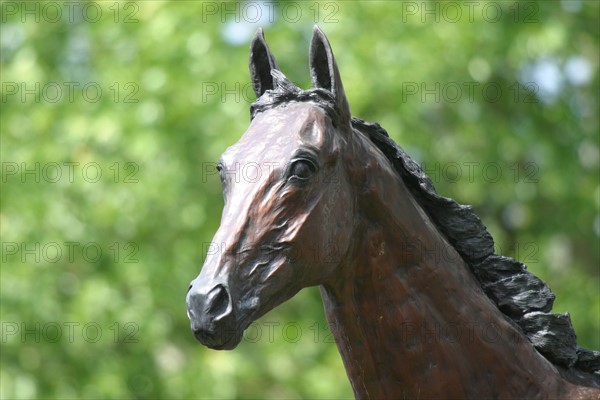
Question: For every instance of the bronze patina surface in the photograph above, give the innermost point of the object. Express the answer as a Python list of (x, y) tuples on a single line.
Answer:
[(336, 203)]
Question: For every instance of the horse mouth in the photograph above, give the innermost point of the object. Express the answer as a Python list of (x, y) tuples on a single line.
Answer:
[(217, 334), (225, 340)]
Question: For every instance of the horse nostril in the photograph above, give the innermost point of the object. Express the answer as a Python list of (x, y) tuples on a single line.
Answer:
[(204, 308), (218, 300)]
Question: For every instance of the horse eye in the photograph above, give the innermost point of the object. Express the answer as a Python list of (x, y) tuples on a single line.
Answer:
[(220, 169), (302, 169)]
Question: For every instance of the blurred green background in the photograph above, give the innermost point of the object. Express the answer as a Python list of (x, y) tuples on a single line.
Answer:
[(112, 111)]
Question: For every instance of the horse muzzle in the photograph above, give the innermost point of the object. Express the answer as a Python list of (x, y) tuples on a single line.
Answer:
[(212, 317)]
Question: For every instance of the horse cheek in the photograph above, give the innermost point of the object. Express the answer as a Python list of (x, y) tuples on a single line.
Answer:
[(337, 216)]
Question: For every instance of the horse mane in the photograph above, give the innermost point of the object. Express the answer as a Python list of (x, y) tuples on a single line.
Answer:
[(523, 298)]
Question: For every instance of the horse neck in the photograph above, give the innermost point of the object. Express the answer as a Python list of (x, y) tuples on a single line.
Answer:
[(408, 316)]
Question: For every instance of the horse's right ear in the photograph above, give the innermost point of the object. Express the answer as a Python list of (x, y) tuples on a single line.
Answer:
[(261, 64)]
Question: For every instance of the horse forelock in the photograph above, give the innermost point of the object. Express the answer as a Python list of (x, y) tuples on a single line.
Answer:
[(285, 92)]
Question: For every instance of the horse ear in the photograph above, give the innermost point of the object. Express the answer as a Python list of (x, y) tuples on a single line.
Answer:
[(324, 71), (261, 64)]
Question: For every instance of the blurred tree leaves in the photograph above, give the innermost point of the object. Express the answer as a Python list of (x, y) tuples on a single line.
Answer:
[(497, 100)]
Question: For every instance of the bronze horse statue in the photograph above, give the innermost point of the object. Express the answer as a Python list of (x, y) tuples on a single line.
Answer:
[(419, 304)]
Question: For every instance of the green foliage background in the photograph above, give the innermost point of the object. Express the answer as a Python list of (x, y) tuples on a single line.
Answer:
[(152, 221)]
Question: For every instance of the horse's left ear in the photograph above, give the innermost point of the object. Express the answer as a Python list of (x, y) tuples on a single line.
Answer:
[(262, 62), (324, 71)]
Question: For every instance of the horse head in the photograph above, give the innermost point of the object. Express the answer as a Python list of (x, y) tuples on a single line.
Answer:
[(289, 209)]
